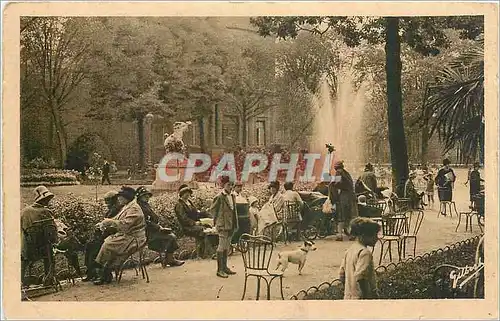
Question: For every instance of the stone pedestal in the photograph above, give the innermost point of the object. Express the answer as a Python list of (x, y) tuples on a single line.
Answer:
[(172, 170)]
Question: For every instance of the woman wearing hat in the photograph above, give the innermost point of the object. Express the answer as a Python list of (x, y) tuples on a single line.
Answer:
[(31, 217), (444, 181), (188, 215), (341, 192), (130, 235), (160, 239)]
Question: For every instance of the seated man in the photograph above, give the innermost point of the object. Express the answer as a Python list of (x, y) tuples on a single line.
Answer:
[(93, 247), (410, 192), (131, 234), (160, 239), (38, 234)]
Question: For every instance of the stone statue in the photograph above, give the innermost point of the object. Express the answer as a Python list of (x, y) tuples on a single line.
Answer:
[(173, 142)]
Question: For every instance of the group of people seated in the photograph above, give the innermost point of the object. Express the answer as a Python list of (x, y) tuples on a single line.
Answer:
[(129, 224)]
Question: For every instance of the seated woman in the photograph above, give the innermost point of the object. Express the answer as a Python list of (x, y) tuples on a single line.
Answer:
[(160, 239), (189, 218), (188, 215), (131, 234)]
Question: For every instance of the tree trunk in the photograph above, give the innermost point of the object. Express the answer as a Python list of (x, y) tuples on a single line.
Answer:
[(425, 144), (60, 132), (397, 140), (244, 130), (202, 134), (142, 142), (481, 144)]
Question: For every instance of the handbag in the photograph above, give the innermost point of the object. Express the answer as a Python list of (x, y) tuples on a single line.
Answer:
[(327, 207)]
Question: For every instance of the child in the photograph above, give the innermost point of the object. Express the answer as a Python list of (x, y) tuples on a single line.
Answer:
[(253, 212), (429, 190), (357, 272)]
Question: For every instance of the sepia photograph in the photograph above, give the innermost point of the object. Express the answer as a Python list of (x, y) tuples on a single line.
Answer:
[(244, 157)]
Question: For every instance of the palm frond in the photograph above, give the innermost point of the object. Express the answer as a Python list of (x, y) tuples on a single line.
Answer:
[(457, 103)]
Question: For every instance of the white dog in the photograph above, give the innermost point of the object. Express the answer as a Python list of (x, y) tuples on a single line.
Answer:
[(297, 256)]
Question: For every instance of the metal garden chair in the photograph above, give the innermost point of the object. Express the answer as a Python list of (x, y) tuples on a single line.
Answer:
[(292, 218), (414, 219), (393, 229), (256, 252)]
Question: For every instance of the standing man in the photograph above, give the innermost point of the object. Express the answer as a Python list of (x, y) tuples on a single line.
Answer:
[(34, 220), (223, 209), (106, 169), (369, 179)]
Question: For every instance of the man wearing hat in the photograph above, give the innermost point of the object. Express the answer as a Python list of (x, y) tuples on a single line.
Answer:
[(223, 209), (33, 218), (341, 192), (160, 239), (93, 247), (411, 193), (368, 179), (130, 235)]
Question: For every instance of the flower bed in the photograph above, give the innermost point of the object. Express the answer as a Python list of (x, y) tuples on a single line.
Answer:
[(411, 279), (48, 177)]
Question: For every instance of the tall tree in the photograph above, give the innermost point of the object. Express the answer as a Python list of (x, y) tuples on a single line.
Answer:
[(54, 56), (424, 34), (124, 84), (194, 83), (250, 78)]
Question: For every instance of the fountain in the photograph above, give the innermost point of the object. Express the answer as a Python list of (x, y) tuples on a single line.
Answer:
[(339, 122)]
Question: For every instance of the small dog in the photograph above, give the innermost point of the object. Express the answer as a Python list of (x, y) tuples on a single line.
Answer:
[(297, 256)]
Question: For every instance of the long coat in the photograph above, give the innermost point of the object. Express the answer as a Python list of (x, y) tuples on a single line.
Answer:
[(131, 225), (225, 217), (342, 194), (370, 180), (29, 215)]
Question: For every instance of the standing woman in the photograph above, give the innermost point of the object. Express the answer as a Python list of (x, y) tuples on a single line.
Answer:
[(474, 182), (341, 193), (444, 181)]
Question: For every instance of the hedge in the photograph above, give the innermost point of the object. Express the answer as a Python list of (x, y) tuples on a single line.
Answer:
[(410, 279), (49, 177)]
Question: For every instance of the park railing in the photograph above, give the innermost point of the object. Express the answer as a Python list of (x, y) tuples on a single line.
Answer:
[(413, 278)]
